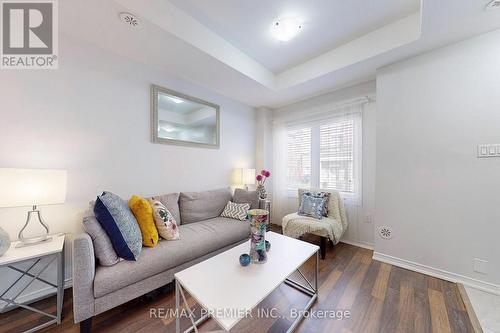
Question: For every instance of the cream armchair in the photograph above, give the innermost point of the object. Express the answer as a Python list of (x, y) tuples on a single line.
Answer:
[(329, 228)]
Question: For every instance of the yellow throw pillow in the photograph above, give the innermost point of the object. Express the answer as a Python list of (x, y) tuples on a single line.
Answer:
[(143, 212)]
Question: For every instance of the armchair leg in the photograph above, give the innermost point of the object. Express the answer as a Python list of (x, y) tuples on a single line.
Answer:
[(86, 325), (322, 247)]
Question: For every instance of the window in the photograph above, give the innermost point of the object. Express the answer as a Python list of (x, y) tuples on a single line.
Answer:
[(325, 154), (299, 158)]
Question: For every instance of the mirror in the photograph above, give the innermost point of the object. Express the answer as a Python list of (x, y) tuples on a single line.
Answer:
[(183, 120)]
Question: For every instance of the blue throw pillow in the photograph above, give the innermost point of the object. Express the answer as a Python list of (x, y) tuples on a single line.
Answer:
[(313, 206), (120, 225)]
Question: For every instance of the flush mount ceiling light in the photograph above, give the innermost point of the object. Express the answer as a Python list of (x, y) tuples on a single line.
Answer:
[(495, 4), (284, 29), (129, 18)]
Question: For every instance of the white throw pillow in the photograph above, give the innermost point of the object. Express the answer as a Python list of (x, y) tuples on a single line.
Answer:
[(236, 211)]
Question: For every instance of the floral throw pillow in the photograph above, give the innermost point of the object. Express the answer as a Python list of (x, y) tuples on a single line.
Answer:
[(321, 195), (164, 221)]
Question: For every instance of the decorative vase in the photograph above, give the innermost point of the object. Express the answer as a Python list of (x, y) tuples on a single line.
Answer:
[(258, 223), (4, 242), (261, 190), (245, 260)]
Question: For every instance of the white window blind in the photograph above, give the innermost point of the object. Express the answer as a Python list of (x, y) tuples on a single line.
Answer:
[(298, 158), (336, 158), (325, 154)]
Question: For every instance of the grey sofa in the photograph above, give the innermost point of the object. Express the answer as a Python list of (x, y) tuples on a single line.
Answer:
[(97, 288)]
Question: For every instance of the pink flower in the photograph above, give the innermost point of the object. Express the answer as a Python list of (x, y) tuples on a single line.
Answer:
[(263, 172), (267, 174), (259, 178)]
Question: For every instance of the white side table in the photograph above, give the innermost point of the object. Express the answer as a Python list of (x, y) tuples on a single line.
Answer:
[(53, 250)]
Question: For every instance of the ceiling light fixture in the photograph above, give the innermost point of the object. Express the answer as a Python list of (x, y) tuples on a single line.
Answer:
[(284, 29)]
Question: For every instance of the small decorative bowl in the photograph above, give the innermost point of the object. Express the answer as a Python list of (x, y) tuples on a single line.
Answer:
[(245, 260), (268, 246)]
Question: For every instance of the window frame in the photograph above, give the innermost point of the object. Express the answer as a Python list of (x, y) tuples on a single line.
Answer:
[(315, 126)]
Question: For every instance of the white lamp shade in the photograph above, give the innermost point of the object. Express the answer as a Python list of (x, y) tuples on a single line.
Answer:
[(28, 187), (244, 176), (248, 177)]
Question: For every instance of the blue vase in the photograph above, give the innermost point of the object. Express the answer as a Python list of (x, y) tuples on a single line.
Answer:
[(4, 241)]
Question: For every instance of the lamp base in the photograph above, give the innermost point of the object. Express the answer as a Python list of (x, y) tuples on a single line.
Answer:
[(33, 241)]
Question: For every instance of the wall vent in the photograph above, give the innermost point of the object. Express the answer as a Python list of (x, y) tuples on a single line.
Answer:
[(129, 19), (495, 4), (385, 232)]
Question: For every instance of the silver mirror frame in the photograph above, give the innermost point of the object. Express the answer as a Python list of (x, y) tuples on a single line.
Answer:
[(155, 90)]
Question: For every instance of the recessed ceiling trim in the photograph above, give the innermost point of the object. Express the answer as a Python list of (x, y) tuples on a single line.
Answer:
[(379, 41), (176, 22)]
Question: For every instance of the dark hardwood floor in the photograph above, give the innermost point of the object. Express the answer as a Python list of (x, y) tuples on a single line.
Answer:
[(379, 297)]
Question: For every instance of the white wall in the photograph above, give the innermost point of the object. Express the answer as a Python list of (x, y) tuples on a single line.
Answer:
[(442, 202), (91, 117), (359, 232)]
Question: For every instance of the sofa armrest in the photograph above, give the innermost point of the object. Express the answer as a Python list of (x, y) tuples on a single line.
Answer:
[(83, 277)]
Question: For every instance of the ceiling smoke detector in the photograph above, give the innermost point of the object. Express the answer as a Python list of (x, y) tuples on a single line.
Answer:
[(495, 4), (129, 19)]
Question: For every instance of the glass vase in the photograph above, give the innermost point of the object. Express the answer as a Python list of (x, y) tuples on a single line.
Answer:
[(258, 225)]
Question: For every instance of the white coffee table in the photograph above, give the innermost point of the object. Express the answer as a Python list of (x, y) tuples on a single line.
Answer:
[(227, 291)]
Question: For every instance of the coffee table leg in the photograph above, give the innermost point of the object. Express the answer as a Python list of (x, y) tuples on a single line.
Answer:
[(307, 290), (177, 308)]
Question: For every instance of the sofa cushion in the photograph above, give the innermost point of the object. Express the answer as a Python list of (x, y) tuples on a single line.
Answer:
[(197, 239), (200, 206), (171, 201), (244, 196), (120, 225)]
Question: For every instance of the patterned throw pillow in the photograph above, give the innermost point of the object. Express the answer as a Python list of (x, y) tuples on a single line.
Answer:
[(165, 221), (312, 205), (321, 195), (236, 211), (120, 225)]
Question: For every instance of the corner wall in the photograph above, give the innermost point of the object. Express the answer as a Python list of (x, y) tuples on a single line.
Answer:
[(442, 202)]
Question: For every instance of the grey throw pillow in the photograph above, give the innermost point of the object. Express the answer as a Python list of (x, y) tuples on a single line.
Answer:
[(312, 206), (244, 196), (116, 218), (103, 249)]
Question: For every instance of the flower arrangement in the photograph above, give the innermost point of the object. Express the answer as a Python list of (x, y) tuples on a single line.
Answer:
[(261, 180)]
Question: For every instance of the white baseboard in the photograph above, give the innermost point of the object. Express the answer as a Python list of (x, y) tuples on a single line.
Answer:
[(438, 273), (38, 294), (364, 245)]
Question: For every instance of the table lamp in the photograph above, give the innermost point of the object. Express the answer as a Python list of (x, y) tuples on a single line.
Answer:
[(31, 188), (244, 177)]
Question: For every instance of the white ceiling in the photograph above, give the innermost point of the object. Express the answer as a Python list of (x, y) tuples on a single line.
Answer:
[(327, 24), (205, 45)]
